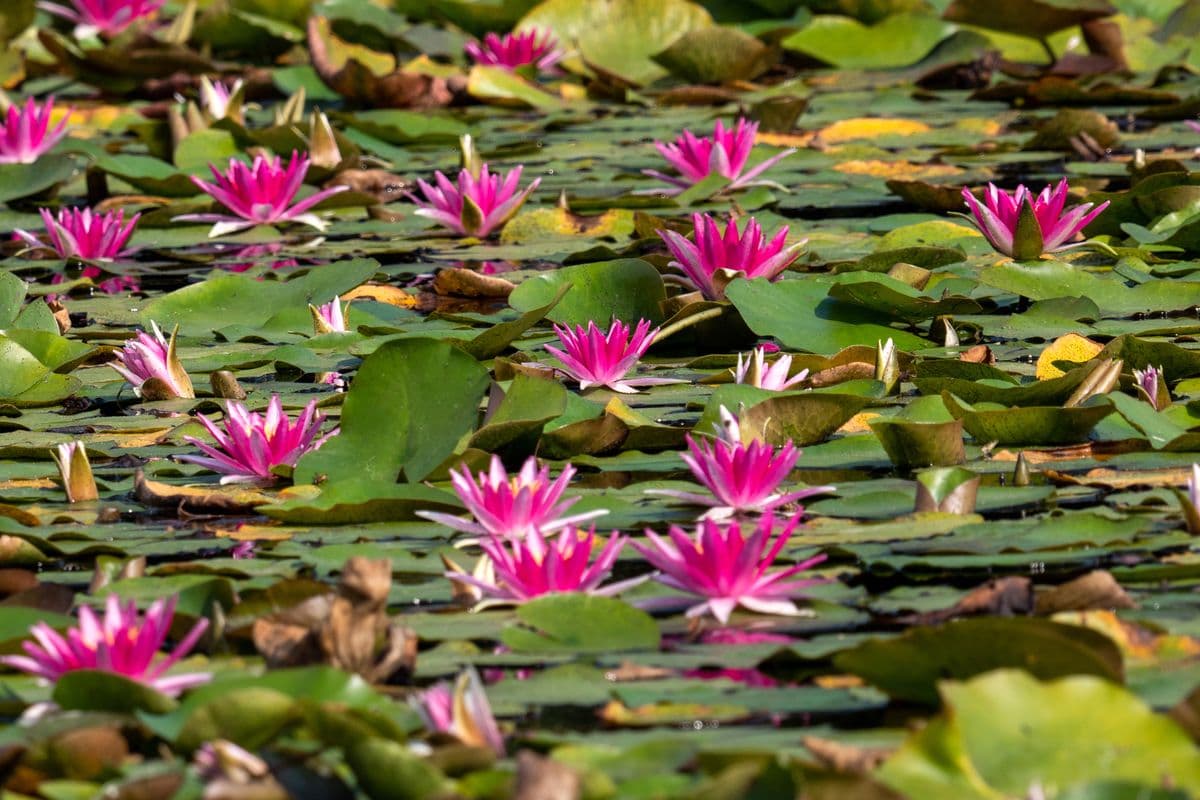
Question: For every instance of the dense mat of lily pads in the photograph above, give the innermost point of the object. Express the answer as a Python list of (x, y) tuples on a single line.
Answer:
[(600, 399)]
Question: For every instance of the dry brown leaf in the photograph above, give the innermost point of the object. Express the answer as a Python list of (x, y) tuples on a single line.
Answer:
[(1187, 713), (858, 370), (391, 295), (1009, 596), (845, 758), (838, 681), (222, 500), (469, 283), (1070, 347), (1095, 591), (1114, 479), (543, 778), (979, 354), (384, 186)]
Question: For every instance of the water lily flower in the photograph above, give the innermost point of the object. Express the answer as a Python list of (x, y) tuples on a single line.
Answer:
[(743, 478), (754, 371), (25, 133), (1049, 225), (477, 205), (724, 153), (261, 194), (107, 17), (121, 643), (716, 258), (462, 712), (150, 357), (85, 234), (328, 318), (1190, 502), (513, 50), (1152, 387), (595, 358), (533, 565), (727, 569), (76, 472), (252, 445), (220, 101), (512, 507)]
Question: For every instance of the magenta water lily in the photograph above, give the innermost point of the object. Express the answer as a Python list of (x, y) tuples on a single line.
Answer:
[(513, 50), (534, 565), (121, 642), (85, 234), (713, 258), (1023, 225), (107, 17), (25, 132), (512, 506), (261, 194), (253, 445), (728, 569), (598, 358), (725, 153), (744, 478), (152, 367), (476, 205)]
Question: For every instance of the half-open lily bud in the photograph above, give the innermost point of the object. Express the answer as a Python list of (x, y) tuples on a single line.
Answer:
[(328, 318), (1189, 503), (152, 367), (76, 472), (1152, 387), (322, 144), (292, 110), (223, 102)]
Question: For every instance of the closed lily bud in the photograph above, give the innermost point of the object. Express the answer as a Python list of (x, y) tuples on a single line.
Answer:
[(76, 472), (887, 365)]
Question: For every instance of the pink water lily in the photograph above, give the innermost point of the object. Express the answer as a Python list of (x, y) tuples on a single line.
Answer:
[(724, 153), (717, 257), (1054, 225), (261, 194), (513, 50), (462, 712), (477, 205), (728, 569), (329, 317), (754, 371), (512, 506), (220, 100), (25, 133), (533, 565), (252, 445), (85, 234), (120, 642), (1151, 387), (595, 358), (150, 357), (107, 17), (743, 478)]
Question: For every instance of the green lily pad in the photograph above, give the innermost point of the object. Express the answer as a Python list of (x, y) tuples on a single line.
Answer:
[(1034, 425)]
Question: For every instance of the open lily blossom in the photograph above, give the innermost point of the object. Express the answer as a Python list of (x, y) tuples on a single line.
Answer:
[(1050, 226), (512, 506), (107, 17), (25, 133), (755, 371), (462, 712), (151, 366), (252, 445), (728, 569), (121, 642), (724, 153), (743, 478), (714, 257), (533, 565), (476, 205), (85, 234), (595, 358), (513, 50), (261, 194)]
